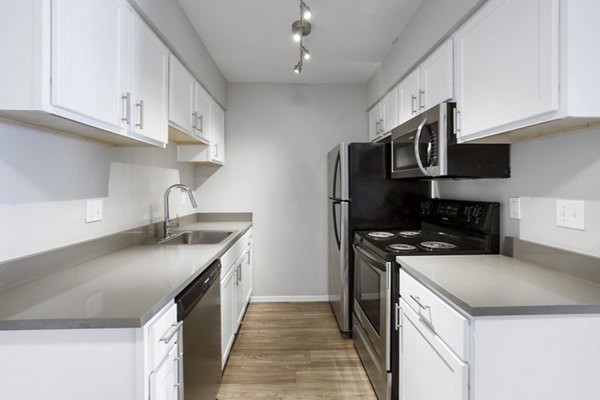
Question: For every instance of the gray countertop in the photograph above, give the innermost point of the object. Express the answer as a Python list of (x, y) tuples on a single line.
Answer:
[(123, 289), (486, 285)]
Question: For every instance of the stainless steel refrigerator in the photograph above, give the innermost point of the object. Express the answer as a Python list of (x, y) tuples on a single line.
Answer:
[(361, 196)]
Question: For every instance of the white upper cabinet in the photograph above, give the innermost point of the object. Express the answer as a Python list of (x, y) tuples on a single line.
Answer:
[(526, 69), (375, 121), (189, 106), (213, 152), (217, 135), (429, 84), (203, 106), (149, 83), (436, 78), (91, 68), (390, 110), (408, 95), (87, 68), (181, 97), (383, 117), (506, 65)]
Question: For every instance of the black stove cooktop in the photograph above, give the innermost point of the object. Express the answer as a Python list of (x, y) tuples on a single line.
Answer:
[(447, 227)]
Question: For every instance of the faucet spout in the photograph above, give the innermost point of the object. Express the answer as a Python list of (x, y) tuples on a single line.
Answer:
[(168, 224)]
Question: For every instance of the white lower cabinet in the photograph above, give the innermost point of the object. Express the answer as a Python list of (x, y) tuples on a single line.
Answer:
[(429, 369), (236, 288), (94, 364), (228, 323), (447, 355)]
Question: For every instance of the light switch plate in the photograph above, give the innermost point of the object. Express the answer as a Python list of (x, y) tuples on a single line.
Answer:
[(93, 210), (570, 214), (515, 207)]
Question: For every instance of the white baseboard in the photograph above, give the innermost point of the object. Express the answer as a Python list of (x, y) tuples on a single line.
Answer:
[(287, 299)]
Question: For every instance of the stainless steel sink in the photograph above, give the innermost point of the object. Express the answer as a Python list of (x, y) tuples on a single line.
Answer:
[(197, 237)]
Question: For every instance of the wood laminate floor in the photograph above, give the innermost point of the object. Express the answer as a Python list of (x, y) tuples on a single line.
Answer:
[(293, 351)]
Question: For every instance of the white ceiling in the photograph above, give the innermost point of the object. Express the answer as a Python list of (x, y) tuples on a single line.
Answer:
[(250, 40)]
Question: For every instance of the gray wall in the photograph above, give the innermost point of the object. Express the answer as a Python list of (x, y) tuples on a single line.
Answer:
[(433, 22), (278, 136), (543, 170), (46, 178)]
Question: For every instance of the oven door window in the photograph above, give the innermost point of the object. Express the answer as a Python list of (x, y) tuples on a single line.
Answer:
[(369, 291)]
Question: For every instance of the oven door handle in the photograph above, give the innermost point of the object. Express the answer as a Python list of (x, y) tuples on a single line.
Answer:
[(417, 153), (371, 258)]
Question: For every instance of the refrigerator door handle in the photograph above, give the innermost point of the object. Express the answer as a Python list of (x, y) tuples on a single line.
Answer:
[(335, 223), (336, 170)]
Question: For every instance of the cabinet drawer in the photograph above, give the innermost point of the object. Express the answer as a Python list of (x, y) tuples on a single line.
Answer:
[(434, 312), (231, 256), (163, 332)]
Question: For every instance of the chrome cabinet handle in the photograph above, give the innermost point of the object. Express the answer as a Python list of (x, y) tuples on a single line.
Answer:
[(421, 97), (195, 120), (126, 102), (413, 104), (417, 140), (169, 335), (417, 300), (217, 150), (201, 119), (140, 124), (397, 316), (456, 118), (377, 127)]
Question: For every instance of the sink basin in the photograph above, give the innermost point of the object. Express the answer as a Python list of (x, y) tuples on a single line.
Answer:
[(197, 237)]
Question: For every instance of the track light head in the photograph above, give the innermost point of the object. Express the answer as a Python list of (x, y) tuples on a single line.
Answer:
[(300, 29), (306, 11), (305, 53)]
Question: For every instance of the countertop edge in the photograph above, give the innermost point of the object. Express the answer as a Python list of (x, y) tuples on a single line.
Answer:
[(127, 322), (507, 311)]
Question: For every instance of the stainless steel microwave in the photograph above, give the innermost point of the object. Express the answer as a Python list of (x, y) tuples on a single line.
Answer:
[(425, 147)]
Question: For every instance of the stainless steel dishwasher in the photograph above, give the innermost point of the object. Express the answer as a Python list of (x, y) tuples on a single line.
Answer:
[(199, 307)]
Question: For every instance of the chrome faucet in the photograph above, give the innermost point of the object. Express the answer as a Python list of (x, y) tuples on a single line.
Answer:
[(168, 224)]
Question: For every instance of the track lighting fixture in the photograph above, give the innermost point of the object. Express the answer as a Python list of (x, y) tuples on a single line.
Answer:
[(300, 29)]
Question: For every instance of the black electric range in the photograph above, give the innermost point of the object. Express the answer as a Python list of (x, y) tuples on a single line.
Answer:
[(447, 227)]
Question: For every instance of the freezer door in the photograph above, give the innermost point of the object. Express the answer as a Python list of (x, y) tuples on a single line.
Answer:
[(339, 263), (337, 172)]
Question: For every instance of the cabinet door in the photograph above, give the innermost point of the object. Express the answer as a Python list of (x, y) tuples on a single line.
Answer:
[(408, 90), (247, 276), (203, 104), (375, 122), (149, 83), (506, 65), (436, 78), (390, 110), (217, 134), (164, 383), (428, 369), (227, 314), (240, 299), (87, 66), (181, 97)]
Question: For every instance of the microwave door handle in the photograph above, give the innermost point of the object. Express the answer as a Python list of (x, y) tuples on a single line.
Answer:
[(417, 141)]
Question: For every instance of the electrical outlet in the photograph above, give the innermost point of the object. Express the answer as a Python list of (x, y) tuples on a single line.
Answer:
[(515, 207), (570, 214), (93, 210)]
